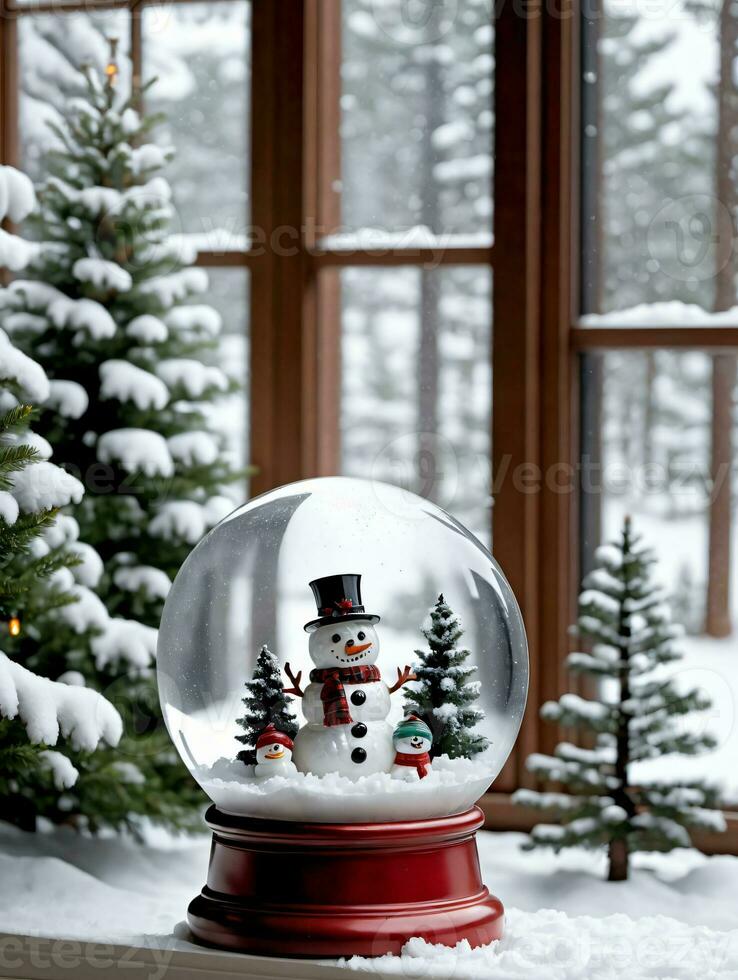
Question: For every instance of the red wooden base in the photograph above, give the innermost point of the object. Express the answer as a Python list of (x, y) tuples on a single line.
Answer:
[(298, 889)]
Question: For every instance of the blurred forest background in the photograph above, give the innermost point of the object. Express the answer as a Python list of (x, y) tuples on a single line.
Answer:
[(660, 101)]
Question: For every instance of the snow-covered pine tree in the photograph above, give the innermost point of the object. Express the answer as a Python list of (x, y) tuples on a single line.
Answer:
[(132, 379), (105, 315), (266, 704), (95, 645), (443, 693), (48, 728), (626, 619)]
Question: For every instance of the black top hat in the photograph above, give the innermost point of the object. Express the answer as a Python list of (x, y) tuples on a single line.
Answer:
[(338, 598)]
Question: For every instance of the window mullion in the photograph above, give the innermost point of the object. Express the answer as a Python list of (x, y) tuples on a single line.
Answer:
[(294, 316)]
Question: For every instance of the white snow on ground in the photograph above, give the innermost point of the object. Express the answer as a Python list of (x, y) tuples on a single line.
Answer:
[(452, 785), (549, 944), (673, 919), (61, 884)]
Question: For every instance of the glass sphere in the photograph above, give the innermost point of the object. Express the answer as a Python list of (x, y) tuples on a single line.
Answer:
[(378, 558)]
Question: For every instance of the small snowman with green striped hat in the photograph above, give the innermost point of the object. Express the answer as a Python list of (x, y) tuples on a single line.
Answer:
[(412, 740)]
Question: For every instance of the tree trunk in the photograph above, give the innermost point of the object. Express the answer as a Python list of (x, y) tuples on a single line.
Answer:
[(718, 620), (617, 855), (618, 847)]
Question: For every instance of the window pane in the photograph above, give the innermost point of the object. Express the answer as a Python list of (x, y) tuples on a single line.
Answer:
[(416, 385), (229, 294), (650, 455), (52, 49), (657, 223), (201, 55), (417, 123)]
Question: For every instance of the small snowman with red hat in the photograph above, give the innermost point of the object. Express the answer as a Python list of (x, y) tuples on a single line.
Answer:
[(412, 740), (346, 703), (274, 754)]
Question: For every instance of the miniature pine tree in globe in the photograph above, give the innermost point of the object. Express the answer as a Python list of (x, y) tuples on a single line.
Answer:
[(266, 704), (632, 641), (443, 693)]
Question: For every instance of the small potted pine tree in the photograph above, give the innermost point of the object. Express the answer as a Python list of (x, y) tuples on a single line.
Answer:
[(634, 717)]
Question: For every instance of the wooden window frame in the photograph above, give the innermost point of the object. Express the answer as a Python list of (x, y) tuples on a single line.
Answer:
[(537, 339)]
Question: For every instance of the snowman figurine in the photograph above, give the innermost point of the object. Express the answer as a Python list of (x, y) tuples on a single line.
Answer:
[(274, 754), (346, 702), (412, 739)]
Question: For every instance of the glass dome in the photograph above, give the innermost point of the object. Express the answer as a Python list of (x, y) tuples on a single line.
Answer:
[(360, 564)]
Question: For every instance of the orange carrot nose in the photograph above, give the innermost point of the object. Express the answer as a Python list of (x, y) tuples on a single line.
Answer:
[(352, 649)]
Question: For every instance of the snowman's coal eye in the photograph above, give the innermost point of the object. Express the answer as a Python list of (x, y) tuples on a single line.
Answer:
[(275, 748), (361, 634), (336, 638)]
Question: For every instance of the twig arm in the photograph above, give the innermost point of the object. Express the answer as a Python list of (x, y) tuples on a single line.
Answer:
[(403, 676), (295, 681)]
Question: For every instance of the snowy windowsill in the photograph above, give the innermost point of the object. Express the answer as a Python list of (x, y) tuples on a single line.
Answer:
[(109, 905), (663, 315)]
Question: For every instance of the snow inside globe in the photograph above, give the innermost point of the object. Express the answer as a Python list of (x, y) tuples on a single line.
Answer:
[(342, 650)]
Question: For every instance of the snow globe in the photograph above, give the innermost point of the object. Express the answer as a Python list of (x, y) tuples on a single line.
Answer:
[(343, 668)]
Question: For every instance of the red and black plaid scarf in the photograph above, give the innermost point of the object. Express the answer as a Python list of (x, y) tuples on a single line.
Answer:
[(335, 706), (420, 762)]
